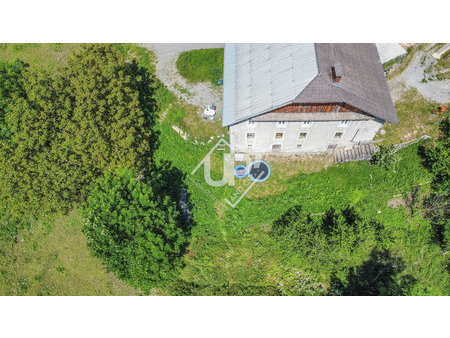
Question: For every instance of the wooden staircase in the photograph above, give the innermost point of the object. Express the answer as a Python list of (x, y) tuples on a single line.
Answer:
[(358, 152)]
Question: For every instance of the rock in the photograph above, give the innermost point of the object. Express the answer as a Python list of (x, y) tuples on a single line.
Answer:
[(180, 132)]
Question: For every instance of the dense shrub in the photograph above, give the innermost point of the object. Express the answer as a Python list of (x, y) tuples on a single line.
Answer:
[(135, 227), (387, 157), (332, 244), (436, 158)]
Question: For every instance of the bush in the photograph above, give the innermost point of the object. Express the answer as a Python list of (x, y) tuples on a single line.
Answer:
[(380, 275), (341, 246), (201, 65), (135, 228), (436, 158), (330, 243), (387, 157)]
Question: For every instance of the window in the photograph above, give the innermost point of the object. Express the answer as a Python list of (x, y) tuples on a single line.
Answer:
[(302, 135), (276, 147), (251, 123), (338, 134), (282, 124), (278, 136), (344, 123), (250, 146), (306, 124), (250, 136), (299, 146)]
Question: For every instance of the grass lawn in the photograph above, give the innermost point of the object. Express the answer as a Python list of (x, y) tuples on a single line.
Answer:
[(51, 258), (48, 56), (201, 65), (187, 118), (417, 117)]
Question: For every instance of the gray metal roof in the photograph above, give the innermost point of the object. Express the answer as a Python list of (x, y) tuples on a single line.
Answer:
[(262, 77), (389, 51), (259, 78)]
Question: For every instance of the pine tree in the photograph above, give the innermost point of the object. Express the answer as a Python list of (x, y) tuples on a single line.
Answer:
[(68, 128)]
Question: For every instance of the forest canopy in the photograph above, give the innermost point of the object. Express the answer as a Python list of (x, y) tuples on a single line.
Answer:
[(62, 131)]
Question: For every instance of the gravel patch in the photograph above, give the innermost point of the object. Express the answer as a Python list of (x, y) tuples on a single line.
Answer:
[(199, 94), (412, 77)]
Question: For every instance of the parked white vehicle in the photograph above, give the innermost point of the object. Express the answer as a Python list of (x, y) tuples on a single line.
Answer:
[(210, 110)]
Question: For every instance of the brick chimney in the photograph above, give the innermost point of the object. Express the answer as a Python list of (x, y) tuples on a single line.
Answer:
[(336, 72)]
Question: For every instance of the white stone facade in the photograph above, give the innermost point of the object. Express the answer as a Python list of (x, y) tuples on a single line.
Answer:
[(295, 137)]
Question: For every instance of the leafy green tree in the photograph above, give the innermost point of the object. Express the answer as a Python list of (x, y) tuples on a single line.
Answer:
[(436, 158), (134, 228), (348, 251), (67, 129), (330, 244), (437, 210)]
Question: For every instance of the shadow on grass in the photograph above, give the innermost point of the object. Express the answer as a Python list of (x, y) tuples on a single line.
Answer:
[(378, 276)]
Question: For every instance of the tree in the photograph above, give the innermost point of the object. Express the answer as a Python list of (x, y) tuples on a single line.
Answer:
[(134, 228), (436, 158), (67, 129), (386, 157), (297, 229), (31, 172), (11, 86), (378, 276), (330, 244)]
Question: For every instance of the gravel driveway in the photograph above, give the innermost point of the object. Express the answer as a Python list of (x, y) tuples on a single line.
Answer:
[(198, 94), (204, 93), (412, 76)]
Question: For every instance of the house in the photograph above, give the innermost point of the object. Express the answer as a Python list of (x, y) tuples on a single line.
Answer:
[(303, 98)]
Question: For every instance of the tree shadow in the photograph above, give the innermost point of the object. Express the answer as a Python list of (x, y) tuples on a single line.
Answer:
[(437, 210), (378, 276), (168, 182), (145, 84)]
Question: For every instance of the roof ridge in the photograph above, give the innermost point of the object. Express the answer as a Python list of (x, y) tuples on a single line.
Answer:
[(260, 82)]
